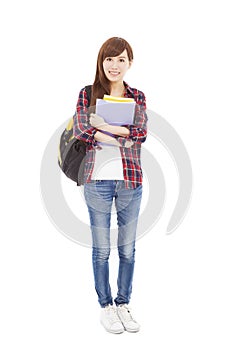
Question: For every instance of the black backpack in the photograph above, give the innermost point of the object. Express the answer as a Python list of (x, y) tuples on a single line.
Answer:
[(72, 151)]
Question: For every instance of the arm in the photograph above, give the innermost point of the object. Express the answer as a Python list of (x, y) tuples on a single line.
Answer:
[(128, 134), (81, 128), (101, 137), (137, 132), (116, 130)]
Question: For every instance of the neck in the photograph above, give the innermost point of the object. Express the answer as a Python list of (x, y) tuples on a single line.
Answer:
[(117, 89)]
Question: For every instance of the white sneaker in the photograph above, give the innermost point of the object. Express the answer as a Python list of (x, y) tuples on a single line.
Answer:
[(126, 318), (110, 320)]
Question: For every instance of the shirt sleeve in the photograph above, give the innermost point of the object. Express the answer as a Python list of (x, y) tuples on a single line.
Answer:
[(82, 130), (138, 131)]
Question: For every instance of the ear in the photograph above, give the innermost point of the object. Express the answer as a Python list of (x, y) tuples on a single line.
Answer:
[(130, 64)]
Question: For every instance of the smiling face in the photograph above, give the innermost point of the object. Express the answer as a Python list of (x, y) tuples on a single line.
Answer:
[(116, 67)]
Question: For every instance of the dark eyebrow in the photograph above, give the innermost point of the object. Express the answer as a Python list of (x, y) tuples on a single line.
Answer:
[(115, 56)]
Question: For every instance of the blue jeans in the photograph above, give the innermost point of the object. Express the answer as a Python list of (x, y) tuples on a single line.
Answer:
[(99, 195)]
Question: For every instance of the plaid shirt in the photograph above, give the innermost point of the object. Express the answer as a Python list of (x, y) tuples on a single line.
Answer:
[(131, 157)]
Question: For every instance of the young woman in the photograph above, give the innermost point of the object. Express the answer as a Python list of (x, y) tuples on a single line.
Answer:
[(113, 173)]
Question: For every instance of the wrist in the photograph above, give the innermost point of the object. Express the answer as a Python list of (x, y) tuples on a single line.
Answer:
[(105, 127)]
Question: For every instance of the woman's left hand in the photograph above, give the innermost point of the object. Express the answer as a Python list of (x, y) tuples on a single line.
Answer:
[(96, 121)]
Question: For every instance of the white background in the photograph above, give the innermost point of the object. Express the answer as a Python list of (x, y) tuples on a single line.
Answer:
[(183, 290)]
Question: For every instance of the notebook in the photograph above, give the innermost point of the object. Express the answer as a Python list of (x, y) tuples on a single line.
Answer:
[(116, 110), (117, 99)]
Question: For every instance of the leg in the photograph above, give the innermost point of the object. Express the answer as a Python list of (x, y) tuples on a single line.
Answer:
[(99, 197), (128, 207)]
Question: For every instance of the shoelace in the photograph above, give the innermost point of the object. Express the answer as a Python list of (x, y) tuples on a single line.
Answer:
[(112, 314), (126, 313)]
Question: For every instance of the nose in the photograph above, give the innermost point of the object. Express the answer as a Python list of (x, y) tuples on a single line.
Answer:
[(114, 64)]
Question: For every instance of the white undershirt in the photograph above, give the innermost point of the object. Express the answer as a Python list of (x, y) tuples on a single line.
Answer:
[(108, 163)]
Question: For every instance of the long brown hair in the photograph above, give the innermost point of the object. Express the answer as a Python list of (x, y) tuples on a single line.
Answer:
[(111, 48)]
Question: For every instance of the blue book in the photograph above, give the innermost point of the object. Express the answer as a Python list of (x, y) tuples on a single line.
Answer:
[(116, 113)]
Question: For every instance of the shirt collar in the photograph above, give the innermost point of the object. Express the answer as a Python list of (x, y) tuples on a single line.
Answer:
[(128, 90)]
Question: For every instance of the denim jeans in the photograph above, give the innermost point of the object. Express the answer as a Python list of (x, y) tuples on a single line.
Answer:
[(99, 196)]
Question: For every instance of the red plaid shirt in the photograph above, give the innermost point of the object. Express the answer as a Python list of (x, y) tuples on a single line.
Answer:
[(131, 157)]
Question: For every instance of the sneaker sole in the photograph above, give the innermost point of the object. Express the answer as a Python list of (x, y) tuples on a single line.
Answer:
[(113, 331), (132, 330)]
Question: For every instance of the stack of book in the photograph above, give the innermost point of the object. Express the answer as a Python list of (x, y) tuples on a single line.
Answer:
[(116, 110)]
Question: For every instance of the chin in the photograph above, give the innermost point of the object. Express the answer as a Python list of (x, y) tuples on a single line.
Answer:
[(114, 79)]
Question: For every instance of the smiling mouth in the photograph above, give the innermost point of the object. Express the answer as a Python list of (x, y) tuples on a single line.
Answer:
[(114, 73)]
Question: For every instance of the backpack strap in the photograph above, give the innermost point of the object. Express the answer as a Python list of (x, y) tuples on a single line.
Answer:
[(88, 89)]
